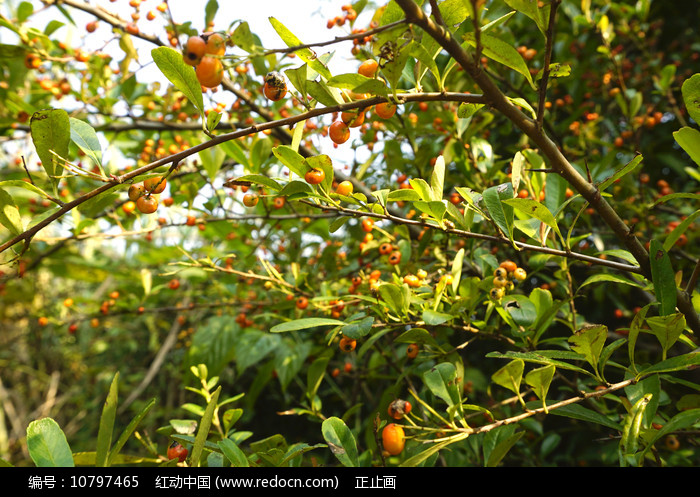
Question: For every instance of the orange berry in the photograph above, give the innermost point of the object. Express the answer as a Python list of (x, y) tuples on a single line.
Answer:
[(393, 439), (367, 225), (250, 200), (275, 87), (412, 351), (155, 185), (210, 72), (339, 132), (315, 176), (347, 344), (174, 284), (385, 110), (386, 248), (43, 321), (147, 204), (129, 207), (136, 191), (509, 266), (399, 408), (194, 50), (394, 258), (344, 188), (302, 303), (353, 118), (216, 45), (368, 68)]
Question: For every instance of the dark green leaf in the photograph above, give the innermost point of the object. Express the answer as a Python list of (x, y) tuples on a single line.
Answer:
[(341, 441), (47, 445), (305, 323), (104, 435), (663, 278), (181, 75), (51, 133)]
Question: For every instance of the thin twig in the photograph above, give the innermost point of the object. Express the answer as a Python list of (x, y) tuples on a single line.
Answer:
[(547, 61)]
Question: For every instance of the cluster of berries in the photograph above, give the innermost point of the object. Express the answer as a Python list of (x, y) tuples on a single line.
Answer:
[(503, 278), (145, 194), (203, 53)]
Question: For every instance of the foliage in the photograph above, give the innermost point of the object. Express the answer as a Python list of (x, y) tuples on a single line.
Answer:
[(517, 257)]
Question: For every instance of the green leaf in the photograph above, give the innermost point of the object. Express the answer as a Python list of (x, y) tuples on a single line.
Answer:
[(521, 309), (630, 432), (305, 54), (537, 210), (596, 278), (305, 323), (84, 136), (9, 214), (51, 133), (421, 186), (403, 195), (677, 363), (128, 431), (441, 380), (577, 411), (181, 75), (662, 277), (589, 342), (314, 376), (510, 376), (203, 430), (323, 94), (626, 169), (531, 9), (501, 213), (680, 229), (212, 159), (290, 158), (502, 448), (689, 140), (467, 110), (434, 318), (437, 178), (358, 83), (243, 38), (358, 329), (502, 52), (543, 357), (415, 460), (456, 270), (341, 441), (260, 179), (47, 445), (233, 453), (691, 96), (418, 51), (556, 70), (416, 335), (540, 379), (23, 184), (393, 296), (210, 12), (667, 329), (435, 209), (104, 435)]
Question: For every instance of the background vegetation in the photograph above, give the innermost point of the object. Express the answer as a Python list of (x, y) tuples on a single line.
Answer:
[(560, 136)]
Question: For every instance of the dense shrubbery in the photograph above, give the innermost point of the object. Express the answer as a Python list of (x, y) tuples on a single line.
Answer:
[(488, 238)]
